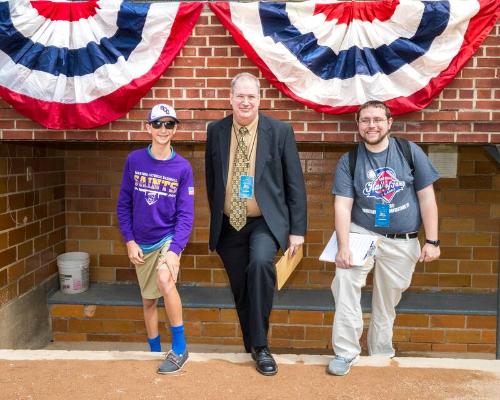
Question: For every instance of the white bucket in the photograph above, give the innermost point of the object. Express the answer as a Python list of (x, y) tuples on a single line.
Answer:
[(73, 272)]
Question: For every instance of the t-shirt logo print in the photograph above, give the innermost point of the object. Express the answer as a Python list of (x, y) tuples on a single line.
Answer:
[(151, 197), (383, 184)]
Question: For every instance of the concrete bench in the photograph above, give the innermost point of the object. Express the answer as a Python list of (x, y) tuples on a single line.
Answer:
[(301, 319), (286, 299)]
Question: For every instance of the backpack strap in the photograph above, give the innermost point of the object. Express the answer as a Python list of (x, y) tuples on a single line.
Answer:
[(404, 147), (353, 157)]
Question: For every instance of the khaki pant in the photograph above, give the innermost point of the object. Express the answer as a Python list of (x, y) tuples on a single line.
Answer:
[(147, 272), (393, 263)]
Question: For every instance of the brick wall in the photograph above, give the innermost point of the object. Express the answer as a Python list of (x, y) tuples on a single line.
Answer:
[(86, 173), (197, 84), (288, 328), (469, 218), (32, 224)]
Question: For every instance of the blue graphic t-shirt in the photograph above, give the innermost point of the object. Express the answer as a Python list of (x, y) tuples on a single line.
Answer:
[(385, 178)]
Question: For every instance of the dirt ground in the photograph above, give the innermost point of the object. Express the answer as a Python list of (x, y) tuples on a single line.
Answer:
[(220, 380)]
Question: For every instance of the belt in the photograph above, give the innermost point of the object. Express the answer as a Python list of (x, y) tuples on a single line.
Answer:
[(411, 235)]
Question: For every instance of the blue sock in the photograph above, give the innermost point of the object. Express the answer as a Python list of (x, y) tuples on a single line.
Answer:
[(154, 344), (178, 339)]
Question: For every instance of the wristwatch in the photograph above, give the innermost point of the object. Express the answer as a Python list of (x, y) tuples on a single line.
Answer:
[(433, 242)]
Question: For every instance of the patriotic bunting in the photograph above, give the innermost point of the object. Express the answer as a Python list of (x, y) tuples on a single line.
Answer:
[(334, 56), (84, 64)]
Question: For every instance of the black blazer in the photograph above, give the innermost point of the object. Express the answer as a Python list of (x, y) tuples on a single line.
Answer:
[(279, 182)]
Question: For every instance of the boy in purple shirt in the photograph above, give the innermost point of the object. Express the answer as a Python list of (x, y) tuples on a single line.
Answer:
[(155, 213)]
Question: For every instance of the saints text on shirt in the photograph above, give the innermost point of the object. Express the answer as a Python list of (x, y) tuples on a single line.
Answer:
[(155, 183)]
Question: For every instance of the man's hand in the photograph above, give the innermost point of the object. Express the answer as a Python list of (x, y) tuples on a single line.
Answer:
[(343, 259), (172, 261), (429, 253), (135, 254), (294, 242)]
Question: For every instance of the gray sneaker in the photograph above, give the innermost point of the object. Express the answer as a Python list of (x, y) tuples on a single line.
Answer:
[(341, 366), (173, 363)]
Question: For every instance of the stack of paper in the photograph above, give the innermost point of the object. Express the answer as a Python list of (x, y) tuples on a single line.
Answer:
[(362, 248)]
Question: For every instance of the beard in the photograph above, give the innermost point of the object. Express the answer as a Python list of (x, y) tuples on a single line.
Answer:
[(375, 141)]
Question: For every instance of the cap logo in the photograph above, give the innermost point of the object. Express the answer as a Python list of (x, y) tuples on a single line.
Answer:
[(165, 109)]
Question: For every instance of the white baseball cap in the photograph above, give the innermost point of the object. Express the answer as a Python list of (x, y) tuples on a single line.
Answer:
[(160, 111)]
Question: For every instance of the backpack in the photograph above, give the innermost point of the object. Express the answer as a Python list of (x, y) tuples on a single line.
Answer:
[(403, 145)]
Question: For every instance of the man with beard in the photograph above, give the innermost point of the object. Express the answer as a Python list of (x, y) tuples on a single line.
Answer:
[(388, 192)]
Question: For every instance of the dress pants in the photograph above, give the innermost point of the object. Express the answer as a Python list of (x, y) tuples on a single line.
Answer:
[(248, 257), (394, 262)]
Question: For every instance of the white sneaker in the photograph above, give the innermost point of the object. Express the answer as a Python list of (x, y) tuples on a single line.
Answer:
[(341, 366)]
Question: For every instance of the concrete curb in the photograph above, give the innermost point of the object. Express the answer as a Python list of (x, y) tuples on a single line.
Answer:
[(401, 362)]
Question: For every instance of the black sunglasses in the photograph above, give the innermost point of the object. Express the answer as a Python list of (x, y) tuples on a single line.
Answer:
[(166, 124)]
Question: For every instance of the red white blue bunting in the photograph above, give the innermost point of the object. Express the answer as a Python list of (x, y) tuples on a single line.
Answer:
[(84, 64), (334, 56)]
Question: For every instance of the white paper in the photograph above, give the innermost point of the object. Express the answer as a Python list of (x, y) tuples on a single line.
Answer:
[(362, 248)]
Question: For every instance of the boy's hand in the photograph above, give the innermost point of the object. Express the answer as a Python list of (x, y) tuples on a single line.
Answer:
[(135, 254), (172, 261)]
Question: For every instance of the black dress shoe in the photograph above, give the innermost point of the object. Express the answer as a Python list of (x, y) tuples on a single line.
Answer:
[(264, 361)]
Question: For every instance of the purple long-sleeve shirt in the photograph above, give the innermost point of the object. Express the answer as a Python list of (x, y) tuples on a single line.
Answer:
[(156, 199)]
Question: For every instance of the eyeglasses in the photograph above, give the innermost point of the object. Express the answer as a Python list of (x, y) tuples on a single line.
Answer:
[(166, 124), (376, 121)]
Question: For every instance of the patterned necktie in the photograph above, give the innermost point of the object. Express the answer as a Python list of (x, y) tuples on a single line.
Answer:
[(238, 211)]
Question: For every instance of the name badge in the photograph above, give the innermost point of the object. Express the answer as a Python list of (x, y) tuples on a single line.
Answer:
[(382, 215), (246, 187)]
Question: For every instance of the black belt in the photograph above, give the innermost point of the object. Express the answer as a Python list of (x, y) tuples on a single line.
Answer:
[(411, 235)]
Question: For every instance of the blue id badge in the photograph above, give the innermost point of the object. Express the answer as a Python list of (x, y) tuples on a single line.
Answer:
[(246, 187), (382, 215)]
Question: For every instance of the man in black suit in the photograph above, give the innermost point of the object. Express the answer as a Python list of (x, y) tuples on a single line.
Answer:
[(257, 199)]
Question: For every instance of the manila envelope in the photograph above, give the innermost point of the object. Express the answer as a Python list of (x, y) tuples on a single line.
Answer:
[(285, 266)]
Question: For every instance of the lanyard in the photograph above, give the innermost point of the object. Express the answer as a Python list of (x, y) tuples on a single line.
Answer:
[(369, 157)]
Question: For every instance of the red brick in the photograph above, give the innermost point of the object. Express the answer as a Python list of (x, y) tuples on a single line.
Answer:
[(279, 316), (481, 348), (7, 257), (461, 253), (3, 277), (454, 280), (447, 321), (287, 332), (318, 333), (481, 322), (428, 336), (305, 317), (69, 337), (412, 347), (488, 336), (219, 329), (485, 253), (228, 315), (201, 314), (413, 320), (475, 266), (66, 311), (449, 347), (485, 281), (462, 336)]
